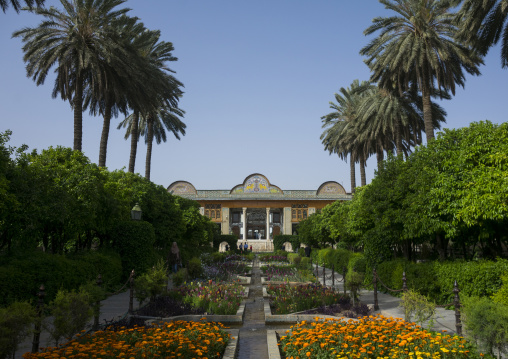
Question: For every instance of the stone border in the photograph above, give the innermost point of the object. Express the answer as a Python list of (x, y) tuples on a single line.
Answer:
[(237, 318), (273, 348), (291, 318), (244, 280), (231, 351)]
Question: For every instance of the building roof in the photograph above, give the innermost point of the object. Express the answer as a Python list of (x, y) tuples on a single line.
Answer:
[(257, 187)]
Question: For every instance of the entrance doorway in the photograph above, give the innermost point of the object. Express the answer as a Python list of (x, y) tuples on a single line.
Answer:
[(256, 232)]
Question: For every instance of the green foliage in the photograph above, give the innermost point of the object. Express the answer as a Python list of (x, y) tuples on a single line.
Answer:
[(357, 263), (231, 240), (354, 282), (15, 325), (96, 294), (301, 252), (292, 257), (501, 296), (281, 253), (195, 268), (486, 322), (476, 278), (418, 307), (71, 312), (135, 241), (152, 283), (21, 276), (280, 239), (315, 230), (305, 263), (180, 277)]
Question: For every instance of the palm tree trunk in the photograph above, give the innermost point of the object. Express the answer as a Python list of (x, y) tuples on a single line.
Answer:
[(363, 178), (353, 174), (427, 111), (398, 137), (105, 133), (78, 114), (134, 141), (380, 156), (149, 136)]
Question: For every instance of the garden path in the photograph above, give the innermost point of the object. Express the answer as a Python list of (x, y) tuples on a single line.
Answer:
[(253, 342)]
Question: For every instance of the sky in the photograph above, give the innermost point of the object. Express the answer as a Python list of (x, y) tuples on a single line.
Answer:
[(258, 77)]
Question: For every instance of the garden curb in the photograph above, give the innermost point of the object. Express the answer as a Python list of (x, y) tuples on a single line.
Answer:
[(273, 347), (231, 351)]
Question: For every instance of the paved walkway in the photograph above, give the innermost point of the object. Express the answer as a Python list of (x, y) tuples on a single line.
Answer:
[(253, 343)]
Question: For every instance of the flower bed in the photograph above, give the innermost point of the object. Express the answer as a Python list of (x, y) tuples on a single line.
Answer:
[(213, 298), (290, 299), (284, 273), (371, 337), (169, 340), (270, 258), (224, 271)]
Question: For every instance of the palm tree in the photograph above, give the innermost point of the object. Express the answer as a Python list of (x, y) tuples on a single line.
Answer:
[(341, 136), (417, 47), (4, 4), (155, 124), (80, 40), (165, 95), (483, 23), (134, 86)]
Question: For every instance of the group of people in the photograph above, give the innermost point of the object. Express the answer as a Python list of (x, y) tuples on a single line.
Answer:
[(244, 247)]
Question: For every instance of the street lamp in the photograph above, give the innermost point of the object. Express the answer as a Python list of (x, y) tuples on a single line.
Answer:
[(136, 212)]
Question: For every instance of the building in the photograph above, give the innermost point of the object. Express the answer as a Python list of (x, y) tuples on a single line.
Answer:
[(256, 210)]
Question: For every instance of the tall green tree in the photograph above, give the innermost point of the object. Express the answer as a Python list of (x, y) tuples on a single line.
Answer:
[(154, 126), (340, 135), (79, 41), (418, 46), (163, 107)]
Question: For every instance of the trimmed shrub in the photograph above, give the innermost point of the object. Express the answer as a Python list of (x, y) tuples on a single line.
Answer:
[(195, 268), (501, 296), (341, 259), (71, 312), (292, 257), (305, 263), (357, 263), (477, 278), (134, 241)]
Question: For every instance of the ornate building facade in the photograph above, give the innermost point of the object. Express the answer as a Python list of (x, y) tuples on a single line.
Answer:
[(256, 210)]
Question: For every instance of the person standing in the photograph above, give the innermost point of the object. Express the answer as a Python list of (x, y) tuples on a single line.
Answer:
[(174, 257), (245, 247)]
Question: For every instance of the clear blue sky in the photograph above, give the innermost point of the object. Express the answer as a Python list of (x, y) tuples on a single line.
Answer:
[(258, 76)]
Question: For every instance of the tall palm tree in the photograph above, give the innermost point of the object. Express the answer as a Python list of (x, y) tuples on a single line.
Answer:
[(418, 47), (165, 92), (79, 40), (154, 126), (134, 86), (340, 135), (4, 4), (483, 23)]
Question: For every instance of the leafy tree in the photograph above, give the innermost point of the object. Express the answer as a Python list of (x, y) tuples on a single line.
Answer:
[(418, 48), (80, 40)]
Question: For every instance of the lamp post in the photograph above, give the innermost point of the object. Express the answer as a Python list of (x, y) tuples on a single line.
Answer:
[(136, 212)]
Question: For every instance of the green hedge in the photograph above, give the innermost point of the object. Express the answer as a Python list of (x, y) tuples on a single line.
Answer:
[(22, 277), (435, 279)]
